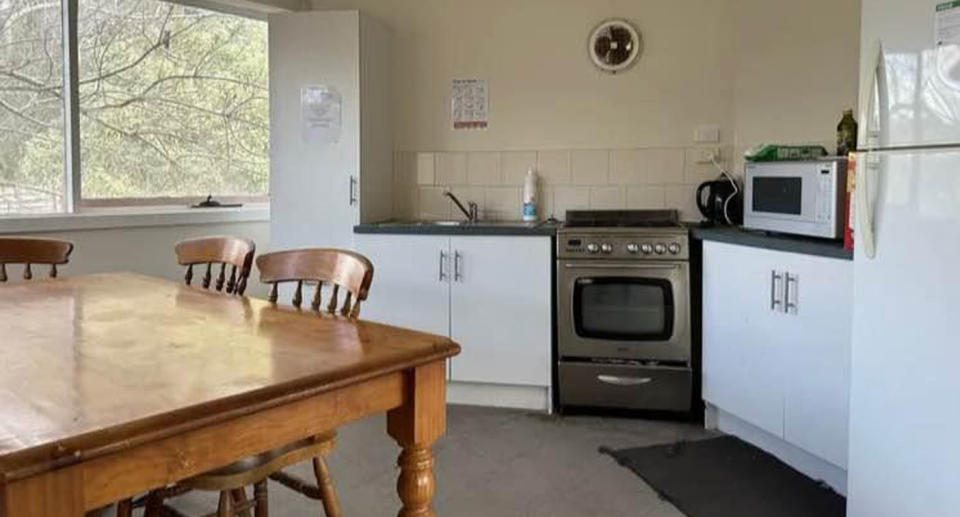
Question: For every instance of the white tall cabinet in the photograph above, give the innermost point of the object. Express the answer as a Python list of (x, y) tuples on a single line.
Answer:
[(776, 351), (490, 294), (320, 190)]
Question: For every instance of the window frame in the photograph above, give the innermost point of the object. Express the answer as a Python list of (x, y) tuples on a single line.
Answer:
[(74, 202)]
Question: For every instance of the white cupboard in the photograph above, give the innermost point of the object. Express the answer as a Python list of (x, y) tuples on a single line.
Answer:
[(500, 309), (321, 188), (490, 294), (776, 343)]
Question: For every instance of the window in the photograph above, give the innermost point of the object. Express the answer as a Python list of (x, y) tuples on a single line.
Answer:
[(173, 105), (31, 107)]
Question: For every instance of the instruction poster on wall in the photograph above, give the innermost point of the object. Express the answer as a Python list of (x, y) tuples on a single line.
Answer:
[(946, 25), (320, 114), (469, 103)]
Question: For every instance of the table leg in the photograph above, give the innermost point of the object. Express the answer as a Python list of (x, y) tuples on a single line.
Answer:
[(416, 426)]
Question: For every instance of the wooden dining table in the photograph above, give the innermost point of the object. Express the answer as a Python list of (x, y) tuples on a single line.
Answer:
[(115, 384)]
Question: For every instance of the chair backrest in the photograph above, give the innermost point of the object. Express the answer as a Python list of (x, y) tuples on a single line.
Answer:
[(225, 251), (50, 252), (340, 268)]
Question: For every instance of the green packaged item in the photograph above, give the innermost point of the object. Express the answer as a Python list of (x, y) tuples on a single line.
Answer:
[(784, 153)]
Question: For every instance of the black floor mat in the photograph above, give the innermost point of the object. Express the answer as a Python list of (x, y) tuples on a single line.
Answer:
[(727, 477)]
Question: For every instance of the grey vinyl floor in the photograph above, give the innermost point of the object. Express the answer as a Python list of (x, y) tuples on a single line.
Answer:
[(492, 463)]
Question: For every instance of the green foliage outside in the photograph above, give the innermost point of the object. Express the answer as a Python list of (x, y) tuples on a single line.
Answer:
[(173, 99)]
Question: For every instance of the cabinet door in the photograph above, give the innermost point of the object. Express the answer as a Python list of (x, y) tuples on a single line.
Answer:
[(310, 182), (742, 353), (817, 355), (407, 289), (500, 310)]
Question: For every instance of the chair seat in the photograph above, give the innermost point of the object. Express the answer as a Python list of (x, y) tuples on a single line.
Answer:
[(258, 467)]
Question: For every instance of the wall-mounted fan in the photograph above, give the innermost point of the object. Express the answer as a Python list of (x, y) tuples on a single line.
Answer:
[(614, 46)]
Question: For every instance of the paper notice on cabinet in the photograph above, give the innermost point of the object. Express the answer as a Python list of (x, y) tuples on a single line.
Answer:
[(469, 103), (946, 24), (320, 114)]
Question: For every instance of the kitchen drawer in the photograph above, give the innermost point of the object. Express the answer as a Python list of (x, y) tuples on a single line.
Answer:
[(625, 386)]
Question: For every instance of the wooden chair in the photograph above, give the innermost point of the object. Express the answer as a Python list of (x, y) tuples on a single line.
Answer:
[(225, 251), (28, 252), (341, 269)]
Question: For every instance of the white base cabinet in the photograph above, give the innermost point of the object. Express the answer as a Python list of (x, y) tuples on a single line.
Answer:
[(490, 294), (776, 343)]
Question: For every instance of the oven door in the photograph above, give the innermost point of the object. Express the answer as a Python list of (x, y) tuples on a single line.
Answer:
[(629, 310)]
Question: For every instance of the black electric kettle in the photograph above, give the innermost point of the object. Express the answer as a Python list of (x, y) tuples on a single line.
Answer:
[(721, 201)]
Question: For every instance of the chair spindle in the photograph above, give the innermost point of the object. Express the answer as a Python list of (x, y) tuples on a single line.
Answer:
[(345, 310), (232, 282), (187, 278), (315, 304), (298, 294), (207, 277), (27, 272), (53, 271), (273, 293), (3, 272), (221, 278), (332, 304)]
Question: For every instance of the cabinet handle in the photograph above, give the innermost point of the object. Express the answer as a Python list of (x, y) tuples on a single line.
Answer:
[(353, 190), (775, 278), (443, 261), (616, 380), (457, 274), (787, 304)]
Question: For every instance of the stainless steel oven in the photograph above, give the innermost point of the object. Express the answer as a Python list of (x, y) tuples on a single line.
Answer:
[(633, 310), (623, 311)]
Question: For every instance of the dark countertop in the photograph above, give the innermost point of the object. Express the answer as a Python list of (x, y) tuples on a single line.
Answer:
[(772, 241), (518, 228)]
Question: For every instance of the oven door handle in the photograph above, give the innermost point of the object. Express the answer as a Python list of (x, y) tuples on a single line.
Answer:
[(621, 266), (617, 380)]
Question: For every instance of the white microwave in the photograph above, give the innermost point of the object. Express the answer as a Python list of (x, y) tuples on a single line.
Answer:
[(804, 197)]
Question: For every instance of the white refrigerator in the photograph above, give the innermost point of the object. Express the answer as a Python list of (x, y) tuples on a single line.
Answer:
[(904, 451)]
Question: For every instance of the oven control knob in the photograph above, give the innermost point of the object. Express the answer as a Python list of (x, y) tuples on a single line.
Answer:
[(646, 249), (659, 248), (673, 248), (633, 248), (606, 248), (593, 247)]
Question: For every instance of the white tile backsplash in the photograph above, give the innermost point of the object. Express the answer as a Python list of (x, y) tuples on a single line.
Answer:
[(641, 178), (553, 167), (426, 174), (515, 164), (451, 169), (627, 167), (646, 197), (483, 168), (608, 198), (589, 167), (570, 198)]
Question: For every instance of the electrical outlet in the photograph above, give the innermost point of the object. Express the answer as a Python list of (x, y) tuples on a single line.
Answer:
[(708, 154)]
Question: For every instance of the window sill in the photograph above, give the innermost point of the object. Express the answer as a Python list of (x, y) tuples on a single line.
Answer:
[(132, 217)]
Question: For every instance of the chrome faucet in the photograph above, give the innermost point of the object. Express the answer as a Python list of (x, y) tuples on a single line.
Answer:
[(470, 213)]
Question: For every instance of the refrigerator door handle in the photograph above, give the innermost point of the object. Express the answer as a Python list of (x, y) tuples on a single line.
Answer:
[(876, 130), (877, 105)]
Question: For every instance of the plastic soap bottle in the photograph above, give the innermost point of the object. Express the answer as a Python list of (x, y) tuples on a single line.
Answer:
[(530, 196)]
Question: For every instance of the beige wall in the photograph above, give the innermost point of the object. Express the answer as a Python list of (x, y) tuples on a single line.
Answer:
[(763, 70)]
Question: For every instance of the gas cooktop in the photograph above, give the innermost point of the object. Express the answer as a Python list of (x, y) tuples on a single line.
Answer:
[(622, 219)]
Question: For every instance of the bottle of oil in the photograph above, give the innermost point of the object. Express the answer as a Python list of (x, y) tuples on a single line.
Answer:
[(846, 134)]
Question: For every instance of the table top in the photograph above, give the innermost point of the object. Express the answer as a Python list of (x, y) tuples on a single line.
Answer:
[(88, 361)]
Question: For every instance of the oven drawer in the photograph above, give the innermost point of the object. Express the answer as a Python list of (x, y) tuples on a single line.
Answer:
[(624, 386)]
